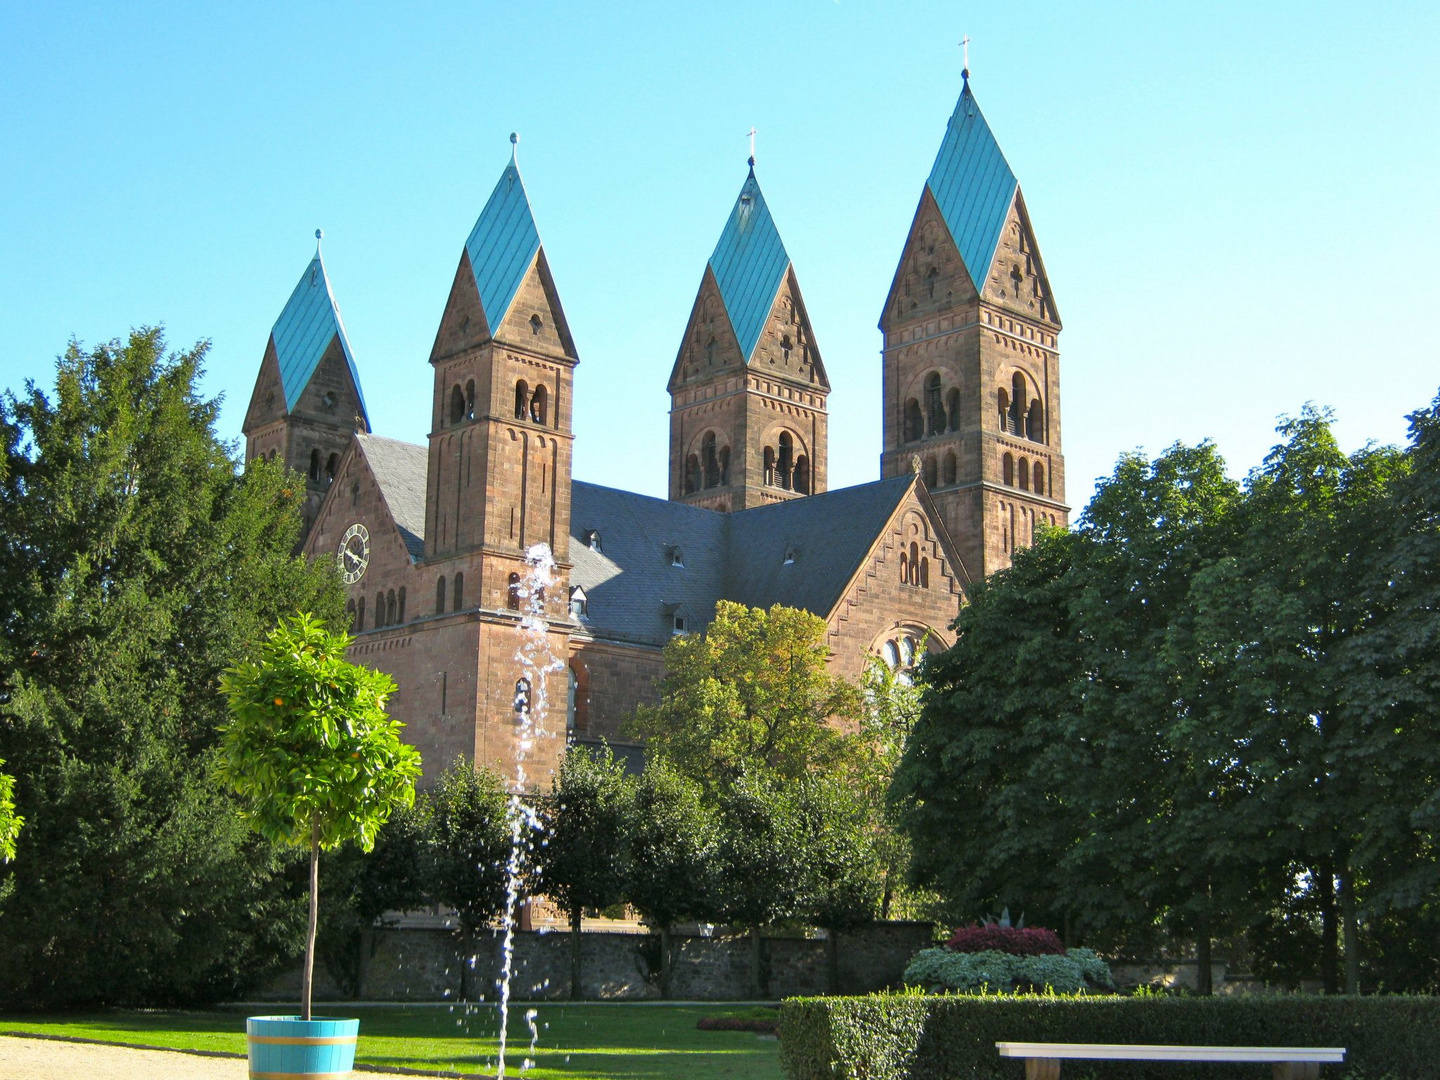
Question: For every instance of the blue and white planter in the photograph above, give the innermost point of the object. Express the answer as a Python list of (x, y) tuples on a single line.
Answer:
[(287, 1048)]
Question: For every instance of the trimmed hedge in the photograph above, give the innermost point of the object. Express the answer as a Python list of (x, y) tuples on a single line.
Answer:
[(910, 1037), (1077, 971)]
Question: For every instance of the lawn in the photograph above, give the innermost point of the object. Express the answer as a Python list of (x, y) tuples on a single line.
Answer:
[(576, 1042)]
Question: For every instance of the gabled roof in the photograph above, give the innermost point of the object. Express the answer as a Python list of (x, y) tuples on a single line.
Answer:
[(303, 332), (502, 246), (400, 470), (749, 263), (973, 186)]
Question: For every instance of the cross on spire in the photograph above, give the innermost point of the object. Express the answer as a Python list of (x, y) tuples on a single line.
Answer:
[(965, 71), (751, 133)]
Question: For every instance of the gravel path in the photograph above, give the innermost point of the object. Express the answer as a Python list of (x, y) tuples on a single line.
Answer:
[(49, 1059)]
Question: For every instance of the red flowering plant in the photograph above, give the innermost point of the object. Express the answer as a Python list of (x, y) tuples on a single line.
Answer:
[(1015, 940)]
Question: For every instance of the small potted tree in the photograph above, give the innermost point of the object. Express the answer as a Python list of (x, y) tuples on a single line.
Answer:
[(318, 762)]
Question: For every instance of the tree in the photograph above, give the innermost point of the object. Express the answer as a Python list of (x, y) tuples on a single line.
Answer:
[(136, 563), (892, 706), (312, 751), (469, 846), (672, 856), (753, 691), (584, 860), (10, 821)]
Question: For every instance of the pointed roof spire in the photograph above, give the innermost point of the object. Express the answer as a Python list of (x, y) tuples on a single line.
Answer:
[(972, 185), (749, 264), (307, 325), (503, 243)]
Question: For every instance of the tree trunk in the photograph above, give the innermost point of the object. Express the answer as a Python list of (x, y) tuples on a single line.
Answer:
[(832, 963), (308, 979), (1329, 934), (665, 960), (757, 974), (467, 961), (1352, 933), (1203, 984), (362, 967), (887, 896), (575, 954)]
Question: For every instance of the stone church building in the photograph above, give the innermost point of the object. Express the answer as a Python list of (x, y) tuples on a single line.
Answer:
[(431, 537)]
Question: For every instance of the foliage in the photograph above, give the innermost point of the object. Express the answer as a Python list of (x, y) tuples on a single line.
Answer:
[(672, 848), (311, 751), (841, 873), (1017, 940), (751, 692), (898, 1036), (469, 838), (760, 857), (136, 564), (10, 821), (1073, 971), (891, 707)]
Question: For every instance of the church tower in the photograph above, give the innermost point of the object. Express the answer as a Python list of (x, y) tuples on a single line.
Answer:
[(748, 390), (307, 400), (971, 392), (500, 441)]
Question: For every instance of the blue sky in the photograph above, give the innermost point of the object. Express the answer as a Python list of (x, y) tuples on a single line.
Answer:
[(1236, 203)]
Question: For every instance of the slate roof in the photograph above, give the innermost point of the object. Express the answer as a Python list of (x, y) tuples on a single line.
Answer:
[(308, 323), (973, 186), (400, 469), (749, 263), (502, 246)]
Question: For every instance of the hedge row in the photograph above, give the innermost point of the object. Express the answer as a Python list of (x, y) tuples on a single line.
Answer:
[(910, 1037)]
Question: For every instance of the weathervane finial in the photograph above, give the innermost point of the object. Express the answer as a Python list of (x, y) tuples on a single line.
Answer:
[(965, 71), (751, 133), (514, 148), (319, 235)]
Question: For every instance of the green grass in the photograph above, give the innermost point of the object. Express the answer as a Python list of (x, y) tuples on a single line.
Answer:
[(577, 1042)]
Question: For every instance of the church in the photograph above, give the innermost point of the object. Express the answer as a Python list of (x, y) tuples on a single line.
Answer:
[(431, 537)]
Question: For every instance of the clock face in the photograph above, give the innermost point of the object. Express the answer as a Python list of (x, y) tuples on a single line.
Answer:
[(354, 555)]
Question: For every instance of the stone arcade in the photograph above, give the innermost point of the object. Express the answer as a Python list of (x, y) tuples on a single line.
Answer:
[(431, 538)]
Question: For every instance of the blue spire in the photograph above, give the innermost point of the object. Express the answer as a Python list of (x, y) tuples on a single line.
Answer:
[(749, 264), (304, 330), (973, 186), (502, 246)]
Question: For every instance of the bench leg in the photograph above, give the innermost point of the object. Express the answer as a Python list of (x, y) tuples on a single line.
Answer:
[(1043, 1069), (1297, 1070)]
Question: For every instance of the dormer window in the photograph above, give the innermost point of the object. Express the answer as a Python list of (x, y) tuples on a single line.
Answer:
[(677, 624), (672, 553), (592, 539), (578, 602), (790, 554)]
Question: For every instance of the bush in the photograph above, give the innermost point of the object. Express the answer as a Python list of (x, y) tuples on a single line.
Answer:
[(1020, 941), (1075, 972), (909, 1036)]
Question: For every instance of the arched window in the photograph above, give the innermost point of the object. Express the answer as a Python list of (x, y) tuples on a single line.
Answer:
[(770, 465), (1003, 400), (538, 401), (709, 460), (470, 400), (522, 399), (350, 611), (457, 405), (400, 611), (931, 276), (536, 324), (802, 475), (785, 348), (1018, 397), (924, 572), (710, 352), (571, 687), (332, 466), (440, 595), (458, 593), (948, 470), (1024, 477), (785, 466), (1007, 465), (1034, 422), (360, 614), (932, 476), (315, 466), (952, 408), (914, 564), (914, 423), (692, 474), (390, 608), (522, 698), (355, 493), (1039, 478), (891, 654), (512, 592), (934, 404), (724, 466)]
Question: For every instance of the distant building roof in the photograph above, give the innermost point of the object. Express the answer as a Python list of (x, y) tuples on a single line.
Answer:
[(973, 186), (749, 263), (400, 470), (304, 330), (502, 246)]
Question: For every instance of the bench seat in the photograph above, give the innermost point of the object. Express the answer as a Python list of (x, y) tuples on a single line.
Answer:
[(1042, 1060)]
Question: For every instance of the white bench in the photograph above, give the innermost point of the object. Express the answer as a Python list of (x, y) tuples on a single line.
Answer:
[(1042, 1060)]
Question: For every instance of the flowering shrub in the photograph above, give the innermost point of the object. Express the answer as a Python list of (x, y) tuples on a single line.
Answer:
[(1018, 941), (1076, 971)]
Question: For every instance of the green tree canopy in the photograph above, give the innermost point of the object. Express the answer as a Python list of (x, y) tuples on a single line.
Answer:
[(311, 751), (10, 821), (136, 564)]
